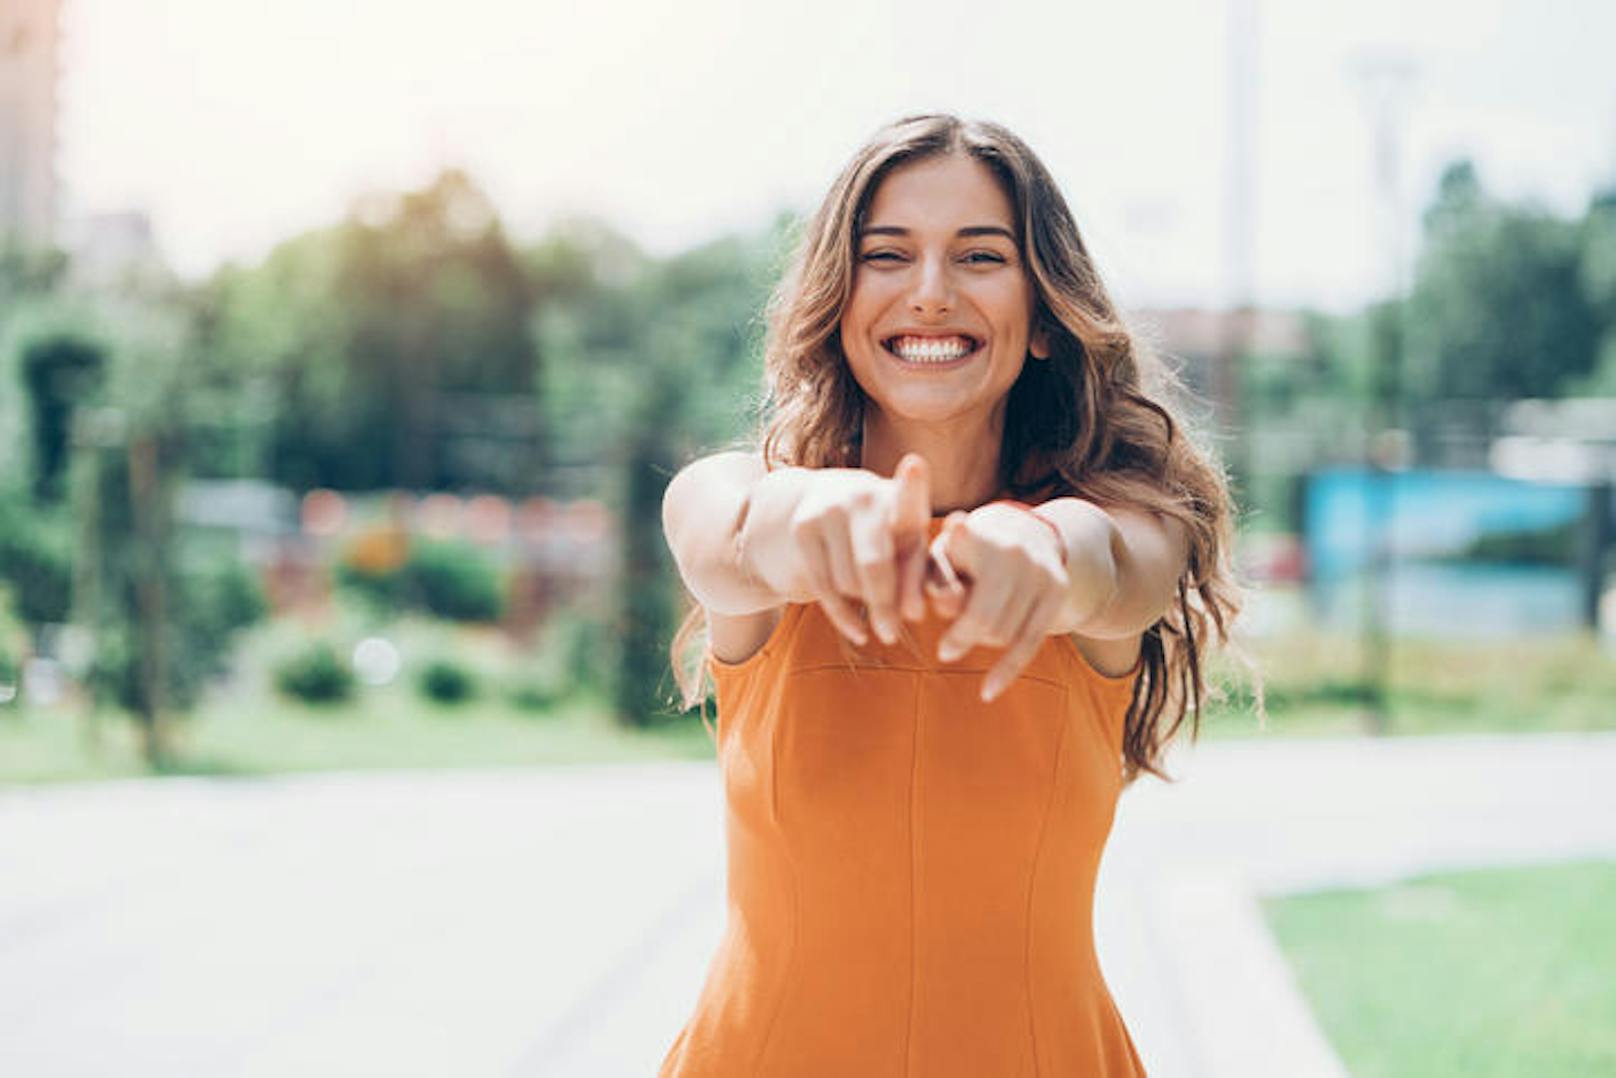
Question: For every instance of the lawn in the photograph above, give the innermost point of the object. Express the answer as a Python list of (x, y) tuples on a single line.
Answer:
[(1314, 686), (1496, 972), (387, 728)]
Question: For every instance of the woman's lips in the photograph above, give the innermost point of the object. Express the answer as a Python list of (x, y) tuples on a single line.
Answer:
[(932, 351)]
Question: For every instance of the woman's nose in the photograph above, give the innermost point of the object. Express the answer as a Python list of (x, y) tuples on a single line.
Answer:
[(932, 290)]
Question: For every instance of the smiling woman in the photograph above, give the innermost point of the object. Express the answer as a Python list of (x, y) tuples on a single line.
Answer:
[(955, 601)]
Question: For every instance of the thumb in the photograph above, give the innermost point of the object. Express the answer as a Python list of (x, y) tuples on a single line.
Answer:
[(943, 585)]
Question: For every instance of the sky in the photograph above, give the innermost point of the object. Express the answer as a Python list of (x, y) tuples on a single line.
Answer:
[(237, 123)]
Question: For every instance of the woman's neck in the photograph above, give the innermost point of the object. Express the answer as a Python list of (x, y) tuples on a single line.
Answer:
[(964, 462)]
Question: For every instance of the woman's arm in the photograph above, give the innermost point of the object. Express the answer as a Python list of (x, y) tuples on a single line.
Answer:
[(748, 539), (705, 510), (1123, 565)]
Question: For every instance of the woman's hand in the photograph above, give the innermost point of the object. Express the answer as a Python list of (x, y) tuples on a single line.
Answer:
[(1015, 587), (862, 538)]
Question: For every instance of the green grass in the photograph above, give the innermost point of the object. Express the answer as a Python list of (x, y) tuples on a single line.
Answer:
[(1499, 972), (391, 728), (1314, 685)]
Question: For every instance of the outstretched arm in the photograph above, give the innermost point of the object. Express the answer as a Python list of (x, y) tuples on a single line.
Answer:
[(1123, 565), (1067, 566), (703, 511)]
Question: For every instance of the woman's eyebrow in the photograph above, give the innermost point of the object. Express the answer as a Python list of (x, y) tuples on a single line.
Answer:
[(969, 230)]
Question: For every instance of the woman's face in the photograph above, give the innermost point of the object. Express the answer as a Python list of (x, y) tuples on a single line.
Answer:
[(938, 323)]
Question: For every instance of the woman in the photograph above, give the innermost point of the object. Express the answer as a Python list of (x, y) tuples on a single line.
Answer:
[(953, 605)]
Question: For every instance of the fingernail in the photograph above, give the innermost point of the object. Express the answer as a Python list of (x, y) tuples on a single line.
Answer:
[(948, 652), (989, 691)]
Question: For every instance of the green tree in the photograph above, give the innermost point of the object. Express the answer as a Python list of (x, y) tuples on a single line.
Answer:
[(1499, 309), (59, 373), (1598, 279), (392, 350), (648, 363)]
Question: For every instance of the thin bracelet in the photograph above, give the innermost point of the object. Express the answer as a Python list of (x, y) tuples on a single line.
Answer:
[(1060, 538)]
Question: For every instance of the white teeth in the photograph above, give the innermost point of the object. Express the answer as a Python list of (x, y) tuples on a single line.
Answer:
[(929, 350)]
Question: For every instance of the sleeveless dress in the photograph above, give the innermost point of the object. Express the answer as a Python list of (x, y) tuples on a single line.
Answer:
[(910, 871)]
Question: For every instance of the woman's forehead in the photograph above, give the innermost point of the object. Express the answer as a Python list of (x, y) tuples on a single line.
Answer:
[(947, 193)]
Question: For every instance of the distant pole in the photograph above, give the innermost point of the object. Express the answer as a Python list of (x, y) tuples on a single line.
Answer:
[(1384, 81), (1240, 181), (95, 431), (1596, 539), (145, 504)]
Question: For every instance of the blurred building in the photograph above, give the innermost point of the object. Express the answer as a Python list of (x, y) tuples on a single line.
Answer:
[(1196, 340), (29, 36), (113, 250)]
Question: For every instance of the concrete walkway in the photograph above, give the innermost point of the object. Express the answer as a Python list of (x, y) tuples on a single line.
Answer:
[(559, 921)]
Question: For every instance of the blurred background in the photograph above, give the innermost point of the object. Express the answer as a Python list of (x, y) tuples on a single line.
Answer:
[(345, 351)]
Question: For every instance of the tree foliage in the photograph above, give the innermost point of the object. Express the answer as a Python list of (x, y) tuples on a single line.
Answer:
[(1501, 307), (391, 350)]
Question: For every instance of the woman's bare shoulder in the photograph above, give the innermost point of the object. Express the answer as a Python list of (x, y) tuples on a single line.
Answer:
[(1110, 657), (735, 638)]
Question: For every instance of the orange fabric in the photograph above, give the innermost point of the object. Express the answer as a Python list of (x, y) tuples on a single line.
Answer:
[(911, 871)]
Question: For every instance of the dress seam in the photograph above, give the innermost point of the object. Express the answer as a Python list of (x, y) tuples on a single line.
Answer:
[(796, 902), (1032, 880), (914, 881), (815, 668)]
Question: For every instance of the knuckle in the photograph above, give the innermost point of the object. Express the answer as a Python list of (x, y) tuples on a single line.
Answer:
[(871, 566)]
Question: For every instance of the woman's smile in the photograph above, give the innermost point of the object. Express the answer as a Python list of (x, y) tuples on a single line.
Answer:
[(932, 352)]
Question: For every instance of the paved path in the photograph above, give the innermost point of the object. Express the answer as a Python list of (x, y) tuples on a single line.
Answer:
[(559, 921)]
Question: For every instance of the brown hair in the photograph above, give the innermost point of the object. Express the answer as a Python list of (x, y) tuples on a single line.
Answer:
[(1092, 421)]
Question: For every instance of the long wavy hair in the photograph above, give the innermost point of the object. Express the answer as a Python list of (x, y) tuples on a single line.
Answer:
[(1096, 420)]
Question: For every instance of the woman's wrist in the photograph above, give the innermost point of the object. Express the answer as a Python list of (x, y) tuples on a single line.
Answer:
[(1059, 536), (764, 552), (1088, 534)]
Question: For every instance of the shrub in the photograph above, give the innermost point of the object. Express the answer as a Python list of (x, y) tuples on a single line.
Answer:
[(315, 675), (455, 581), (372, 567), (447, 682), (536, 695), (10, 676), (36, 558)]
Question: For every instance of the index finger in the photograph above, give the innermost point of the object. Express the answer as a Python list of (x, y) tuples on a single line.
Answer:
[(911, 517), (913, 510), (877, 575), (1023, 648)]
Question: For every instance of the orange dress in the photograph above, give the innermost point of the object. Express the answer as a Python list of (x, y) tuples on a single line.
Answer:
[(910, 871)]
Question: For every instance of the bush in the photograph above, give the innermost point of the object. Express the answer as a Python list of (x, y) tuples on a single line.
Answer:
[(316, 675), (455, 581), (36, 558), (372, 567), (536, 695), (447, 682), (221, 595), (10, 676)]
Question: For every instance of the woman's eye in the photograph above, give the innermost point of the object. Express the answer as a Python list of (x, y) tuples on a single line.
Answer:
[(984, 256), (883, 256)]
